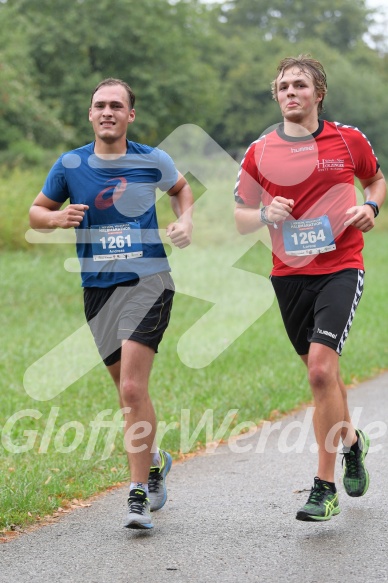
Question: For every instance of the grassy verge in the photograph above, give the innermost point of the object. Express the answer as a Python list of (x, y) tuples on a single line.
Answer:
[(258, 375)]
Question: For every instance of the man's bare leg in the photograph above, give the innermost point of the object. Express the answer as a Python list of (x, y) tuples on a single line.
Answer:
[(131, 376), (331, 408)]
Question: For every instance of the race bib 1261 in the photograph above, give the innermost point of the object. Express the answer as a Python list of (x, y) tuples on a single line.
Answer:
[(121, 241)]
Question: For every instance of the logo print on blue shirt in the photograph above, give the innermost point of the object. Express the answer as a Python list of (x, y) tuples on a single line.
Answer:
[(104, 200)]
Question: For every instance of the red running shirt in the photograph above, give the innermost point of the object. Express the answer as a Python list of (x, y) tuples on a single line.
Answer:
[(318, 173)]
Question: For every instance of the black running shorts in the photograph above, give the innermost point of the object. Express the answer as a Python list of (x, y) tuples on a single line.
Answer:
[(136, 310), (319, 308)]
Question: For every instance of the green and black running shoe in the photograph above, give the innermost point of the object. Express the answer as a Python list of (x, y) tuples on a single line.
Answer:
[(322, 503), (356, 476)]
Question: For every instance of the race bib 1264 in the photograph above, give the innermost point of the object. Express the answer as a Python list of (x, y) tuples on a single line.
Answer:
[(308, 236)]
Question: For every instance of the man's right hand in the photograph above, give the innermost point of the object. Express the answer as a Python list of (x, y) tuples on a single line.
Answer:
[(279, 209), (70, 216), (46, 213)]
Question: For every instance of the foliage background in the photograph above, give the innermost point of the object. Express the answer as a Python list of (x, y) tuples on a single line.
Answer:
[(188, 62)]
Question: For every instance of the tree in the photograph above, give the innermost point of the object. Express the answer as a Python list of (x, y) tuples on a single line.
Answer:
[(339, 23), (188, 62), (357, 96), (152, 44), (25, 122)]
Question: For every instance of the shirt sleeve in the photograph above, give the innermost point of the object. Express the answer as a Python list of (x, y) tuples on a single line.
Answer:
[(169, 174), (365, 161), (55, 186), (248, 190)]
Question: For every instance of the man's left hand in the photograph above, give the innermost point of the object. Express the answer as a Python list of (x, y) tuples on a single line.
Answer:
[(363, 218), (180, 233)]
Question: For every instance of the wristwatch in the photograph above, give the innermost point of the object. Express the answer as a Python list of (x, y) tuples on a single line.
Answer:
[(374, 206), (263, 216)]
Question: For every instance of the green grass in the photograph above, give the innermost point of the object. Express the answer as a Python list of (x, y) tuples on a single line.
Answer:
[(41, 305), (18, 188)]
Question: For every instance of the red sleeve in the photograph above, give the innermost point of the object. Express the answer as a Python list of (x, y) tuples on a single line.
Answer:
[(248, 189), (365, 162)]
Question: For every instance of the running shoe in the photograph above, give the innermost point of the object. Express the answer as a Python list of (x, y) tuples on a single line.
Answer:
[(157, 481), (356, 477), (322, 503), (138, 510)]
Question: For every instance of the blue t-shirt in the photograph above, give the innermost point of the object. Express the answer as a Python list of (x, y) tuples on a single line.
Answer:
[(118, 239)]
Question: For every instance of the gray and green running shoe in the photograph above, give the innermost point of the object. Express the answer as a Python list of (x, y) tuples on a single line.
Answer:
[(157, 491), (138, 510), (356, 476), (321, 505)]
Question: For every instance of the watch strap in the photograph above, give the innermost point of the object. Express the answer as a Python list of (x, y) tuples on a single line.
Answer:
[(263, 216), (374, 206)]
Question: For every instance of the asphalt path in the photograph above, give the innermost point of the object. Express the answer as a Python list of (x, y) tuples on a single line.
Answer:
[(230, 517)]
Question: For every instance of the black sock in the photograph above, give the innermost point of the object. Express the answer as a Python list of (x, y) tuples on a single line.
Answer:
[(355, 444), (331, 484)]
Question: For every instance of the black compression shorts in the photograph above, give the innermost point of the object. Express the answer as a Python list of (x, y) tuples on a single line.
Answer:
[(319, 308)]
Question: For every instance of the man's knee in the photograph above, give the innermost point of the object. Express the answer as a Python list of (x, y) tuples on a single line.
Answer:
[(320, 375), (322, 365), (132, 392)]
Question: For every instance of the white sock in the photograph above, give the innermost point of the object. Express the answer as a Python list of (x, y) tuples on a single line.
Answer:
[(156, 459), (139, 485)]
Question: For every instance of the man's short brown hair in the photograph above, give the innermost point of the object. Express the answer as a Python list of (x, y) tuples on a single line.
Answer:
[(110, 81)]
